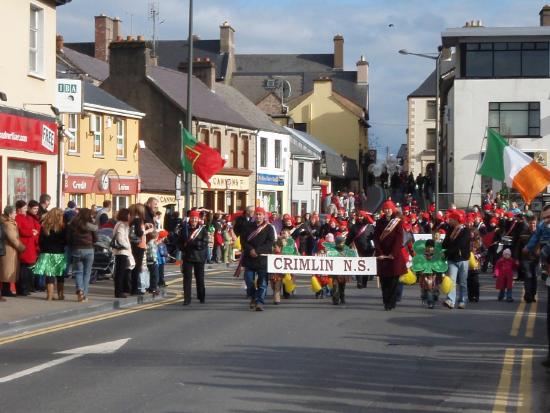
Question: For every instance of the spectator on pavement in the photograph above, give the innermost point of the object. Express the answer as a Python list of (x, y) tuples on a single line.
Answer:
[(124, 260), (104, 214), (44, 201), (139, 230), (70, 212), (9, 262), (29, 230)]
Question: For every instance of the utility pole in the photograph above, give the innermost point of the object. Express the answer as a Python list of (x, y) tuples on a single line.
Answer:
[(154, 15), (187, 176)]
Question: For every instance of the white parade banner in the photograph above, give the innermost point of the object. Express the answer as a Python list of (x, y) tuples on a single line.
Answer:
[(320, 265), (422, 237)]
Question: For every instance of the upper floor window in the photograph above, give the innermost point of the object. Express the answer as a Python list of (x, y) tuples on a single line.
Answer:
[(36, 40), (505, 59), (72, 137), (245, 151), (263, 152), (234, 150), (120, 139), (515, 118), (300, 126), (96, 128), (300, 173), (204, 136), (430, 139), (217, 140), (430, 109), (277, 154)]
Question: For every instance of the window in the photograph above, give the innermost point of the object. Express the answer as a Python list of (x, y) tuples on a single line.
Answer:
[(120, 139), (234, 156), (245, 151), (78, 199), (120, 201), (72, 127), (218, 141), (24, 180), (430, 109), (301, 127), (96, 128), (430, 139), (294, 208), (300, 173), (204, 136), (515, 118), (505, 59), (278, 154), (36, 40), (263, 152)]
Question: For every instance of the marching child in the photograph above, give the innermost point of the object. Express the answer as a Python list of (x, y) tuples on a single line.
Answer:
[(504, 273), (428, 281)]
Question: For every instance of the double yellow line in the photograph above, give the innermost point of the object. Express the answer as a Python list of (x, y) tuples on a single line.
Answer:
[(523, 401)]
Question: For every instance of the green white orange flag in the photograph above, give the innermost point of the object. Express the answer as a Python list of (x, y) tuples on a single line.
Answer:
[(505, 163), (199, 158)]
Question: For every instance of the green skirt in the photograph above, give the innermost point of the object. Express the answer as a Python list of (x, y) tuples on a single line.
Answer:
[(50, 265)]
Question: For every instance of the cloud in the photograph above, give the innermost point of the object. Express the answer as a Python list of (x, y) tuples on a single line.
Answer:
[(307, 26)]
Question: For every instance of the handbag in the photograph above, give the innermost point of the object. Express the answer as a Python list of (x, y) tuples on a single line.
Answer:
[(114, 244)]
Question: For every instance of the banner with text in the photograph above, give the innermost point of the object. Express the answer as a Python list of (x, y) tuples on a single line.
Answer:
[(320, 265)]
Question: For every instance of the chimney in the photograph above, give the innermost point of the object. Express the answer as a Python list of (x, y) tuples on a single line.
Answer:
[(545, 16), (117, 28), (59, 43), (338, 52), (227, 44), (204, 69), (104, 35), (129, 58), (362, 71)]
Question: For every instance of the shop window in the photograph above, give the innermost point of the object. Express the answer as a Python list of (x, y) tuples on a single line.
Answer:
[(120, 201), (304, 209), (240, 201), (263, 152), (300, 173), (120, 139), (294, 208), (277, 154), (24, 181), (72, 127), (221, 201), (209, 200), (96, 128), (79, 200), (36, 40)]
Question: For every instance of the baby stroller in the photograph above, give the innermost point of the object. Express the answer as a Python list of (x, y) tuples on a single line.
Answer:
[(104, 259)]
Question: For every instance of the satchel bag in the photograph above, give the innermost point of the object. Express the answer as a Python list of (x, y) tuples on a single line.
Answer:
[(115, 244)]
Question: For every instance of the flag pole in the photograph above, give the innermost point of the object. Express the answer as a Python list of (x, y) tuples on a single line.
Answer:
[(477, 167), (187, 175)]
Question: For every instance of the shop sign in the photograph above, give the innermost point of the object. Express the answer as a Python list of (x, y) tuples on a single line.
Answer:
[(68, 98), (74, 184), (228, 182), (27, 134), (276, 180), (123, 186)]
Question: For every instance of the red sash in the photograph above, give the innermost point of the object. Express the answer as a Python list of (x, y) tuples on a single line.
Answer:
[(389, 228), (253, 235)]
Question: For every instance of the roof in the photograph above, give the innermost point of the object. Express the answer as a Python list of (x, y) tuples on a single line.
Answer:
[(96, 96), (283, 63), (246, 108), (207, 105), (402, 153), (95, 68), (62, 2), (155, 175), (427, 88), (452, 36), (298, 150)]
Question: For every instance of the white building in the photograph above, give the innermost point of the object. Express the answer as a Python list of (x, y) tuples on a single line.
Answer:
[(272, 166), (421, 128), (500, 80)]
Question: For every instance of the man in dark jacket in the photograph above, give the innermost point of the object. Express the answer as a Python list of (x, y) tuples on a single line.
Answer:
[(360, 236), (457, 251), (257, 241), (242, 221), (44, 201), (193, 243)]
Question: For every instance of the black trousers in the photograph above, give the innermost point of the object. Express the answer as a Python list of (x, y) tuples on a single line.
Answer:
[(188, 268), (389, 290), (473, 285), (138, 254), (25, 280), (362, 281), (122, 274)]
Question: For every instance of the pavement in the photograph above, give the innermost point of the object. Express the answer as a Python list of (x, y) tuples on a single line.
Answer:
[(304, 355)]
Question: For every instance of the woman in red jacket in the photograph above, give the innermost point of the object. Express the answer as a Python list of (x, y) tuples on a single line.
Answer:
[(388, 242), (29, 231)]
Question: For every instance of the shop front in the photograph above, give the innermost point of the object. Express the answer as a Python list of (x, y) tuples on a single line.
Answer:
[(28, 156), (271, 192), (227, 193), (88, 190)]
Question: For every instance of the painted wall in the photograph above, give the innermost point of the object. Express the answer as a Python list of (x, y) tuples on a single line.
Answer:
[(304, 192), (418, 154), (469, 118)]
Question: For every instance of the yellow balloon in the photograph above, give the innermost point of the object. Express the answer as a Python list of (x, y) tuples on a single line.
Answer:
[(409, 278), (446, 285), (315, 285), (288, 283), (473, 263)]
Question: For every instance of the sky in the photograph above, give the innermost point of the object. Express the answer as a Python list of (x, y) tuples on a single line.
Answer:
[(376, 29)]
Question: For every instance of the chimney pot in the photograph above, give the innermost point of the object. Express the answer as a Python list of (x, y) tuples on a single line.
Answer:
[(129, 38), (140, 38), (545, 15), (362, 71), (59, 43)]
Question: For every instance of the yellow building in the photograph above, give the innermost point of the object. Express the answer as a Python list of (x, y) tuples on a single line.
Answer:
[(101, 151)]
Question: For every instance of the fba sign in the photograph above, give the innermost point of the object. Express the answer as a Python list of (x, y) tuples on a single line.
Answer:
[(68, 97)]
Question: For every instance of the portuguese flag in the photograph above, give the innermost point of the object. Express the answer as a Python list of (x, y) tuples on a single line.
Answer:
[(199, 158), (505, 163)]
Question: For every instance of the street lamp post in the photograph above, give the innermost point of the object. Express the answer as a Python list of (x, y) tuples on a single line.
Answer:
[(437, 58)]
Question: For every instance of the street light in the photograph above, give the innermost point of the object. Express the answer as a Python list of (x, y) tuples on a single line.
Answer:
[(437, 58)]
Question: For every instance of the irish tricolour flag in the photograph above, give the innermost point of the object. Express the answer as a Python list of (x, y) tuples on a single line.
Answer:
[(505, 163)]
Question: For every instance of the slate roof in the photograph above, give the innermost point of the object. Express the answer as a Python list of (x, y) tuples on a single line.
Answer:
[(427, 88), (207, 105), (247, 109), (82, 63), (283, 63), (96, 96), (155, 175), (253, 86)]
